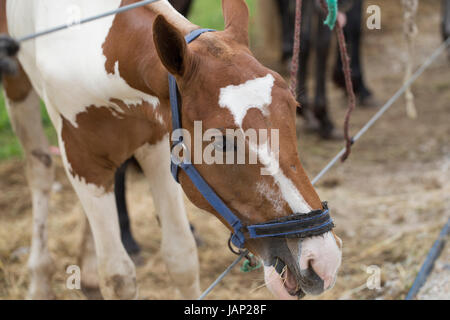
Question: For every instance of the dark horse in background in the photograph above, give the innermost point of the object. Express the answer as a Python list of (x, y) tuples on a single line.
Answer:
[(446, 20), (316, 112)]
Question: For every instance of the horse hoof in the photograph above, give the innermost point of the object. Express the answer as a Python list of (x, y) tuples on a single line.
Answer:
[(41, 295), (332, 135), (369, 102), (137, 259), (92, 293)]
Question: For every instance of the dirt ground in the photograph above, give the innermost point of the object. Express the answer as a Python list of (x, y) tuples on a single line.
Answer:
[(389, 201)]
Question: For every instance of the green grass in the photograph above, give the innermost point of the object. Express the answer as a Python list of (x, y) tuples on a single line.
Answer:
[(208, 13), (9, 144), (205, 13)]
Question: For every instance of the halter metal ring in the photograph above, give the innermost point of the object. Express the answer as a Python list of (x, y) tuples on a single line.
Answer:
[(175, 154)]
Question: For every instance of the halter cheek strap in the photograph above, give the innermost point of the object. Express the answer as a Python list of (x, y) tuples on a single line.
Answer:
[(174, 100), (294, 226), (202, 186)]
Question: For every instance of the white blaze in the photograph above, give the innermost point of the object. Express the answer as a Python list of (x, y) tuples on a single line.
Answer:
[(287, 188), (256, 93)]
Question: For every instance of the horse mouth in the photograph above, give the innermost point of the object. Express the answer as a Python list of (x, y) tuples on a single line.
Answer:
[(289, 280)]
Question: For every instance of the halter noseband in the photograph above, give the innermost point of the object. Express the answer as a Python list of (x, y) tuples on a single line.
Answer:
[(294, 226)]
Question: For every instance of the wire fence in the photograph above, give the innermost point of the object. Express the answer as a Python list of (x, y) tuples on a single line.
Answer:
[(86, 20)]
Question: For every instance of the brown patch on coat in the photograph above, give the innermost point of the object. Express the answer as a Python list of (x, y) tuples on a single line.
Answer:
[(142, 70), (104, 138), (3, 19), (18, 86)]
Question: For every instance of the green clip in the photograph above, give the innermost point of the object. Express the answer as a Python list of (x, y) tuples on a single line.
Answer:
[(247, 265), (332, 14)]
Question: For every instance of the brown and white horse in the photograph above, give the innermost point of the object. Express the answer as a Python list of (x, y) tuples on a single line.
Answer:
[(106, 90)]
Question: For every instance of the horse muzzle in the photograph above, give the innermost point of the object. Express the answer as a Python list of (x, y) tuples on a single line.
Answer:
[(294, 268)]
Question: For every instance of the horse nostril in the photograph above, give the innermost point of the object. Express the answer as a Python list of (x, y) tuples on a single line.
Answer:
[(312, 283), (311, 274)]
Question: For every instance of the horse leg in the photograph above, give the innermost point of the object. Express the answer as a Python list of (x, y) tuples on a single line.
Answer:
[(88, 260), (446, 21), (128, 240), (23, 105), (178, 244), (287, 28), (323, 40), (117, 274), (353, 36), (90, 283), (305, 50)]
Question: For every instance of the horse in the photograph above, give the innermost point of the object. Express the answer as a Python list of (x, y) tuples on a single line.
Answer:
[(120, 86)]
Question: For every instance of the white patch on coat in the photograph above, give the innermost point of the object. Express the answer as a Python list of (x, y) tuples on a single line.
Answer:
[(256, 93), (67, 68), (271, 195), (289, 191)]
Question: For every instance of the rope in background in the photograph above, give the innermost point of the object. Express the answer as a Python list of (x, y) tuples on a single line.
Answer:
[(348, 83), (296, 50), (410, 31)]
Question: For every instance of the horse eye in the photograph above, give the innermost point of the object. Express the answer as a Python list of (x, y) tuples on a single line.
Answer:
[(224, 144)]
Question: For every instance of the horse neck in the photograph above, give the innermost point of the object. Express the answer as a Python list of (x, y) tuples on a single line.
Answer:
[(133, 33), (151, 71)]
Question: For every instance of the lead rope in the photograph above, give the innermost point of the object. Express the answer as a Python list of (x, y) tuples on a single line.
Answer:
[(410, 31), (296, 51), (347, 74)]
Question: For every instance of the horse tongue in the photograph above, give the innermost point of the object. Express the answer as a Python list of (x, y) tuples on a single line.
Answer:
[(291, 283)]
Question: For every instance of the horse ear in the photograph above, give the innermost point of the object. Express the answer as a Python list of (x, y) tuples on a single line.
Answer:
[(171, 47), (236, 15)]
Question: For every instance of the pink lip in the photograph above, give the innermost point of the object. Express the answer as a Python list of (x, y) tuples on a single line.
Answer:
[(278, 286)]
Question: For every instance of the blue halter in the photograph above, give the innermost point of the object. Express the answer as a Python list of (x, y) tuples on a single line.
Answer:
[(293, 226)]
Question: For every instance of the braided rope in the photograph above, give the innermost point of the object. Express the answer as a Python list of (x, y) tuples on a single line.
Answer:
[(410, 30), (296, 51), (348, 84)]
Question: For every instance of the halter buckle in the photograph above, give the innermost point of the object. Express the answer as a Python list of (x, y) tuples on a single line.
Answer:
[(175, 154)]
